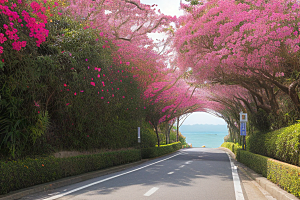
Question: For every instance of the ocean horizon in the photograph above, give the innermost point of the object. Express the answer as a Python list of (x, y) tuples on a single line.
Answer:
[(209, 140)]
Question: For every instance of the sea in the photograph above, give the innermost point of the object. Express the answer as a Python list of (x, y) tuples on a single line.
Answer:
[(209, 140)]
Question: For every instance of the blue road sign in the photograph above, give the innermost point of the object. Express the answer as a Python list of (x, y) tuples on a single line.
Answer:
[(243, 128)]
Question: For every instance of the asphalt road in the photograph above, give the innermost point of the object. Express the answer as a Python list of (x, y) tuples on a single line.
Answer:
[(196, 173)]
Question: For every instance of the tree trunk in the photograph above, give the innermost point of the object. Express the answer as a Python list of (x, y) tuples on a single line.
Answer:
[(156, 131), (293, 94), (177, 136)]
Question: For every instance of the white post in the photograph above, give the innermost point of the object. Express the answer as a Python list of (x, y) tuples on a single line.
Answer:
[(139, 134)]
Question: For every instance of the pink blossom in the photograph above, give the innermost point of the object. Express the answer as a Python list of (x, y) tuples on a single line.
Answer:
[(92, 83), (36, 104)]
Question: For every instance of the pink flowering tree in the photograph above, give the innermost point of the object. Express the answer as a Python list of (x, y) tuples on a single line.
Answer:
[(253, 44), (23, 23), (167, 99)]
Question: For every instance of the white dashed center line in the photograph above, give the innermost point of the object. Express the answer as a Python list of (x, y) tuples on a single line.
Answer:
[(151, 191)]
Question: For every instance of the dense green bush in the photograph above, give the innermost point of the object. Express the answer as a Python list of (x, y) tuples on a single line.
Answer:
[(16, 175), (285, 175), (148, 136), (256, 143), (153, 152), (47, 102), (282, 144)]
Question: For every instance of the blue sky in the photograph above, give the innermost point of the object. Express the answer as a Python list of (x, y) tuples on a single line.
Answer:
[(171, 7)]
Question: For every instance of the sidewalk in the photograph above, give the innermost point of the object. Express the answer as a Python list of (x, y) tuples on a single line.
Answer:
[(249, 178)]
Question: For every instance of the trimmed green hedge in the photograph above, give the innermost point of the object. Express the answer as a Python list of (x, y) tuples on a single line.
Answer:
[(16, 175), (285, 175), (234, 147), (282, 144), (153, 152)]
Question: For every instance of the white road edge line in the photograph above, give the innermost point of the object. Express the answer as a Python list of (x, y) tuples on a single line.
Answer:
[(236, 181), (151, 191), (106, 179), (170, 172)]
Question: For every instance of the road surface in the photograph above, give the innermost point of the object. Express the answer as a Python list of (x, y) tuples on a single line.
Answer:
[(195, 173)]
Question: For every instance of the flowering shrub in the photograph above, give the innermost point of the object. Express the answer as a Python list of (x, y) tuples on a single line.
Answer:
[(21, 17)]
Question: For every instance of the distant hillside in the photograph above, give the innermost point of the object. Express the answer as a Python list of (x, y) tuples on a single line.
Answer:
[(208, 128)]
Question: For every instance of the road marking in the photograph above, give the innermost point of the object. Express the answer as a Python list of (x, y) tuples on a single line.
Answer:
[(106, 179), (181, 166), (53, 193), (170, 172), (236, 181), (188, 162), (151, 191)]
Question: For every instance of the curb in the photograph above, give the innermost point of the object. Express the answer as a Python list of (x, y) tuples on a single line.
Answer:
[(267, 185), (67, 181)]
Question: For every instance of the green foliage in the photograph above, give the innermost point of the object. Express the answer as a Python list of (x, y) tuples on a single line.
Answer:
[(256, 143), (40, 127), (16, 175), (260, 120), (153, 152), (254, 161), (282, 174), (39, 111), (148, 136), (234, 147), (282, 144)]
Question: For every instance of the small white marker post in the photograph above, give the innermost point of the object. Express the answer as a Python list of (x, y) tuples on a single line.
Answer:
[(139, 134)]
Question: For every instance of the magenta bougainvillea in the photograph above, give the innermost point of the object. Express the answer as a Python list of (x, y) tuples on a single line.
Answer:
[(22, 16)]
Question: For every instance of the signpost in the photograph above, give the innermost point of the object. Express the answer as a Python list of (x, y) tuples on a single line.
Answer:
[(243, 122)]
